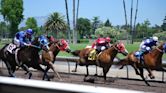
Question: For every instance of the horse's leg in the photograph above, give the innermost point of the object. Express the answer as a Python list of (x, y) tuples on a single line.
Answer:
[(150, 73), (75, 70), (45, 73), (96, 71), (25, 67), (135, 68), (11, 74), (38, 67), (105, 70), (52, 67), (87, 71), (142, 76)]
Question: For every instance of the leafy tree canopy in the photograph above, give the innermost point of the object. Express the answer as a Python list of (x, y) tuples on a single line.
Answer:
[(107, 31), (12, 11), (83, 26), (32, 23)]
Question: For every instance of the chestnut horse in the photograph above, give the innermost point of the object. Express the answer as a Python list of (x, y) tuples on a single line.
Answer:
[(151, 61), (77, 53), (48, 58), (104, 59)]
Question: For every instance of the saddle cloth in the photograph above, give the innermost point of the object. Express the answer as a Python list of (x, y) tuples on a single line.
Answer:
[(92, 55), (11, 47)]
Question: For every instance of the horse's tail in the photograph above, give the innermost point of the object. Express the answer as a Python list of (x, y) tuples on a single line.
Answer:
[(76, 52), (122, 63), (2, 52)]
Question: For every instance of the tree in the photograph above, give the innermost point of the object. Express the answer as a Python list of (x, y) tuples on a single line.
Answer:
[(55, 23), (95, 24), (32, 23), (164, 24), (3, 29), (12, 12), (107, 23), (83, 27), (107, 31)]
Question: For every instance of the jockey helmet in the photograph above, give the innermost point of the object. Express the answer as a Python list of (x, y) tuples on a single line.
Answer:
[(154, 38), (29, 31), (43, 40), (108, 39)]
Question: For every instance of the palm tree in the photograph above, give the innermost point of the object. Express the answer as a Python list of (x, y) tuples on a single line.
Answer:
[(55, 22)]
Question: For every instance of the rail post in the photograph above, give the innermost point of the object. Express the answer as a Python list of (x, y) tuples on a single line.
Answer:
[(127, 70), (162, 76)]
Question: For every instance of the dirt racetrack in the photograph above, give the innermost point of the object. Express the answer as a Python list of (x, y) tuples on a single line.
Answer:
[(120, 83)]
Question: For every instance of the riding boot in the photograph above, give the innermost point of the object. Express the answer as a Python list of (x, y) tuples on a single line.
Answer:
[(141, 57)]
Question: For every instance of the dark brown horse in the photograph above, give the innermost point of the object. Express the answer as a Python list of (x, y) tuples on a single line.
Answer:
[(151, 61), (104, 59), (25, 57), (49, 57)]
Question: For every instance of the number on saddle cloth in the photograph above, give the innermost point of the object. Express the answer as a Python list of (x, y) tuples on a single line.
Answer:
[(92, 55), (11, 47)]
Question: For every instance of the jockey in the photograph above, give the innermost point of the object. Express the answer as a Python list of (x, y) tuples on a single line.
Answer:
[(146, 46), (23, 38), (101, 44)]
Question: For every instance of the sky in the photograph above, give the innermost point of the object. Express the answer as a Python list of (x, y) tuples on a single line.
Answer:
[(153, 10)]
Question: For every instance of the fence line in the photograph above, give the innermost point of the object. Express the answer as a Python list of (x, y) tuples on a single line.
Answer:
[(75, 59)]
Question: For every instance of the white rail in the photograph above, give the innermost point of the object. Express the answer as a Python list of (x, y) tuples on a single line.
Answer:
[(17, 85)]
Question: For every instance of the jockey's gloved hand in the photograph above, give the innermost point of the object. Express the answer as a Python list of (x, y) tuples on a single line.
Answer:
[(26, 44)]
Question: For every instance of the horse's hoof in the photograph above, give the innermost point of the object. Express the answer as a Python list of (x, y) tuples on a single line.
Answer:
[(12, 76), (151, 76), (91, 80), (121, 67), (73, 71), (95, 75)]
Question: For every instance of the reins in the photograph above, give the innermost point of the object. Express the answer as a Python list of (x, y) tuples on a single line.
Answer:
[(159, 50)]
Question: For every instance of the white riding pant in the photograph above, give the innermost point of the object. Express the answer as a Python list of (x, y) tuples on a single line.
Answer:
[(17, 42)]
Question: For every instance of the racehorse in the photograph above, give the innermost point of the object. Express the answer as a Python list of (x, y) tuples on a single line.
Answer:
[(48, 58), (151, 61), (23, 57), (103, 60), (76, 53)]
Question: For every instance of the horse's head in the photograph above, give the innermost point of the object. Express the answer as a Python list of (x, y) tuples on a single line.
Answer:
[(41, 42), (63, 45), (164, 47), (120, 47)]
